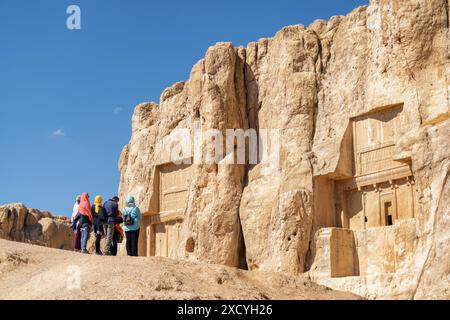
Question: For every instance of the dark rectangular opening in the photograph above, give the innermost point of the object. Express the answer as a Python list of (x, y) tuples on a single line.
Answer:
[(387, 213), (389, 220)]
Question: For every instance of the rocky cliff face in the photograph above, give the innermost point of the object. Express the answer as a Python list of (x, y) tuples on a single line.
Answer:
[(309, 85), (18, 223)]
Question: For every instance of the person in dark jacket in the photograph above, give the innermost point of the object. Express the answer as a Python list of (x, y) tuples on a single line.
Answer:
[(111, 208), (98, 225)]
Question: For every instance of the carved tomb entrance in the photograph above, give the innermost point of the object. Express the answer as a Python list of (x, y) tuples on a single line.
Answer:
[(382, 189), (170, 194)]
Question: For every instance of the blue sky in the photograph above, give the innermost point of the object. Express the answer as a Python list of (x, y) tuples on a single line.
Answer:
[(66, 97)]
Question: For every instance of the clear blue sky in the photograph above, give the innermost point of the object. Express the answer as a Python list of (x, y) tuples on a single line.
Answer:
[(66, 97)]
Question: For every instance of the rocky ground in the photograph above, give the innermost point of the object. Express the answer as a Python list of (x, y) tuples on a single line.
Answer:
[(34, 272)]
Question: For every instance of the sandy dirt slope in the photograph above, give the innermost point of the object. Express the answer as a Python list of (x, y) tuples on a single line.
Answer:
[(33, 272)]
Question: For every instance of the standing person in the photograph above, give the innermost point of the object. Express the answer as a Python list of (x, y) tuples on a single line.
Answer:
[(111, 208), (132, 221), (75, 225), (98, 225), (75, 209), (86, 220)]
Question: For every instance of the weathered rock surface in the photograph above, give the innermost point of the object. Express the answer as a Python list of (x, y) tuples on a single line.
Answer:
[(214, 98), (308, 84), (18, 223)]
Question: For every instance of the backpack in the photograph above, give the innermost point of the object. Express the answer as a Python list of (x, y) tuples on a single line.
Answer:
[(127, 219)]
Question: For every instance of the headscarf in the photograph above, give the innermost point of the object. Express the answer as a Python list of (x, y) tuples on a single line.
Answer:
[(98, 203), (75, 208), (131, 202), (85, 206)]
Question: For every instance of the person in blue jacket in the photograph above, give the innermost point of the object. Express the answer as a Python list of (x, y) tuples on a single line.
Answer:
[(131, 224), (109, 218)]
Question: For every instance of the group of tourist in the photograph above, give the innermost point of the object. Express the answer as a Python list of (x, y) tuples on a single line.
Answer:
[(106, 220)]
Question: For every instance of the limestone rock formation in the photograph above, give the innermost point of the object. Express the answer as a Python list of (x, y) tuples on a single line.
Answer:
[(357, 192), (18, 223)]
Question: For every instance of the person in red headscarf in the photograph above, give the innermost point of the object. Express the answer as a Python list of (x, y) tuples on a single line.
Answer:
[(86, 220)]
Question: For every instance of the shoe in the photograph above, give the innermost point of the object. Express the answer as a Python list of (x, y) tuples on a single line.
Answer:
[(85, 252), (99, 253)]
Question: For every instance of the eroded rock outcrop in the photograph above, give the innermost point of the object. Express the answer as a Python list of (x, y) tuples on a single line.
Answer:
[(360, 106), (18, 223)]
